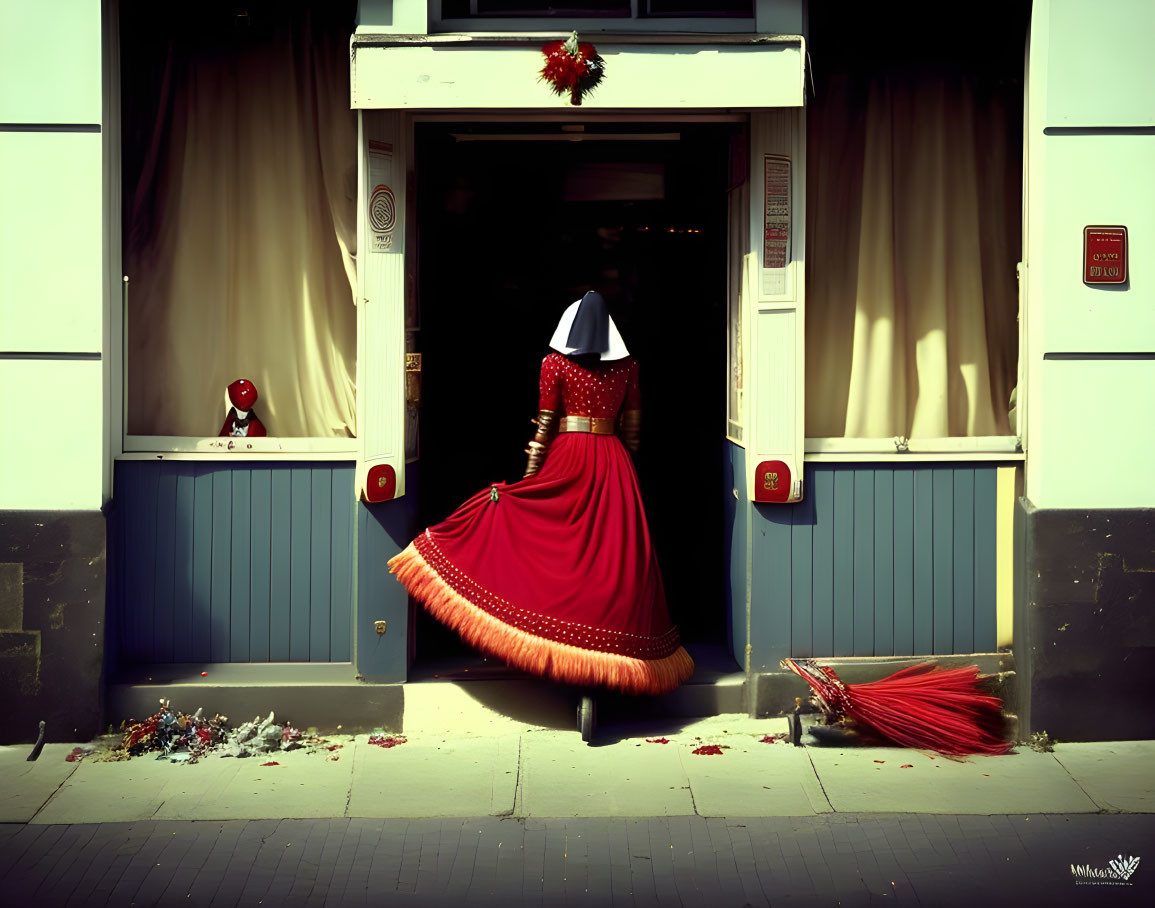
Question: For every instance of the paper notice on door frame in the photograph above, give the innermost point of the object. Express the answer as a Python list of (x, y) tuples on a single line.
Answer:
[(776, 225)]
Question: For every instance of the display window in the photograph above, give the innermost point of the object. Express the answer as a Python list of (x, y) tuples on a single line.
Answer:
[(239, 174), (914, 197)]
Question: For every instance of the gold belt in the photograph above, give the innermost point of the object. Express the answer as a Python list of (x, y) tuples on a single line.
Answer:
[(596, 425)]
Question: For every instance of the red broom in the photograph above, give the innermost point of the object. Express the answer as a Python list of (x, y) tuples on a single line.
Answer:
[(926, 707)]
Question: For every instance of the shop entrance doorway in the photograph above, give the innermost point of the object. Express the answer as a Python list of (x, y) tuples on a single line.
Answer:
[(514, 222)]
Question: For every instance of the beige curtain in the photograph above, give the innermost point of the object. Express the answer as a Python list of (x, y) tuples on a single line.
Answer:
[(242, 239), (912, 238)]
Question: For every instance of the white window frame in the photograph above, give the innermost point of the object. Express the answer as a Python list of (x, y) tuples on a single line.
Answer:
[(773, 309), (858, 450), (637, 21), (121, 445), (1006, 448), (737, 284), (203, 447), (188, 447)]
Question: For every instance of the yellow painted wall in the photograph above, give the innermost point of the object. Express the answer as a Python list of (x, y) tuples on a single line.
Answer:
[(52, 394)]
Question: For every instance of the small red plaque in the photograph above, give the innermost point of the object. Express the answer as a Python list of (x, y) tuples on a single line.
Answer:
[(380, 484), (1104, 255), (772, 481)]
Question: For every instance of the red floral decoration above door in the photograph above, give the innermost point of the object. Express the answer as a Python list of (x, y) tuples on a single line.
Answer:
[(572, 68)]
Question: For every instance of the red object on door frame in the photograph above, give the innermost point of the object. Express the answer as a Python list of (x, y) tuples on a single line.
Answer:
[(380, 484), (1104, 255), (772, 481)]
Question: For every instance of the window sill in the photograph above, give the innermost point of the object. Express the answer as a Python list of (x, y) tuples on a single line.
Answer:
[(181, 447), (987, 447)]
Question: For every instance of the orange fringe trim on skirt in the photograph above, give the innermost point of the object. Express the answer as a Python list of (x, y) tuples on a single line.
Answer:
[(529, 652)]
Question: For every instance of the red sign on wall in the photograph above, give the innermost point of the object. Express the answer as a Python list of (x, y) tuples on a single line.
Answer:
[(380, 484), (772, 481), (1104, 255)]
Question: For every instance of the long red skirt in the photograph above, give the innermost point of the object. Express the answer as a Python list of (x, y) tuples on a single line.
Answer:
[(557, 576)]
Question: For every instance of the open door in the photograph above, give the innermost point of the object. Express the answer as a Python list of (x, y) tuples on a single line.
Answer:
[(381, 228), (527, 219)]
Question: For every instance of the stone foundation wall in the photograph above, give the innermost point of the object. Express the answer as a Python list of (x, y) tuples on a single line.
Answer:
[(1085, 622), (52, 621)]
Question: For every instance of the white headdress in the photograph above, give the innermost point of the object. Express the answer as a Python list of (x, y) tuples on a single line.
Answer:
[(586, 327)]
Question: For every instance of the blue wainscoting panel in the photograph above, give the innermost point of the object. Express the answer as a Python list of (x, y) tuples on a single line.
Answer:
[(261, 552), (736, 516), (878, 560), (321, 559), (802, 596), (182, 578), (964, 562), (863, 560), (341, 572), (233, 563), (165, 572), (842, 559), (281, 525), (902, 534), (140, 535), (240, 590), (198, 647), (819, 493), (770, 605), (300, 564), (383, 530), (923, 560), (220, 608), (883, 561), (942, 560)]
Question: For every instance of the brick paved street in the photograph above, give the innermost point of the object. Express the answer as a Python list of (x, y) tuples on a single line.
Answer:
[(907, 859)]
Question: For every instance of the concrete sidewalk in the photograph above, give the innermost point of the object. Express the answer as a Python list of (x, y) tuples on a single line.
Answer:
[(533, 772)]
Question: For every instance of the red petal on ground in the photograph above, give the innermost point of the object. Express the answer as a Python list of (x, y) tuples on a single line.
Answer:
[(657, 740), (709, 750), (271, 763), (387, 742)]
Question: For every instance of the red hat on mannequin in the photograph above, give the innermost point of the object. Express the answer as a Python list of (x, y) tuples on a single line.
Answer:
[(242, 394), (241, 421)]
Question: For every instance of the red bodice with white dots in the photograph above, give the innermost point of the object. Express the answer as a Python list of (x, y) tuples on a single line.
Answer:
[(572, 390)]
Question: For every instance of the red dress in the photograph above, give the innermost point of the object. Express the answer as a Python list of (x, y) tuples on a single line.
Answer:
[(556, 573)]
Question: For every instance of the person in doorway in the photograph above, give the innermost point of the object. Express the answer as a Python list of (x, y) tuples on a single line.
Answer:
[(556, 573)]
